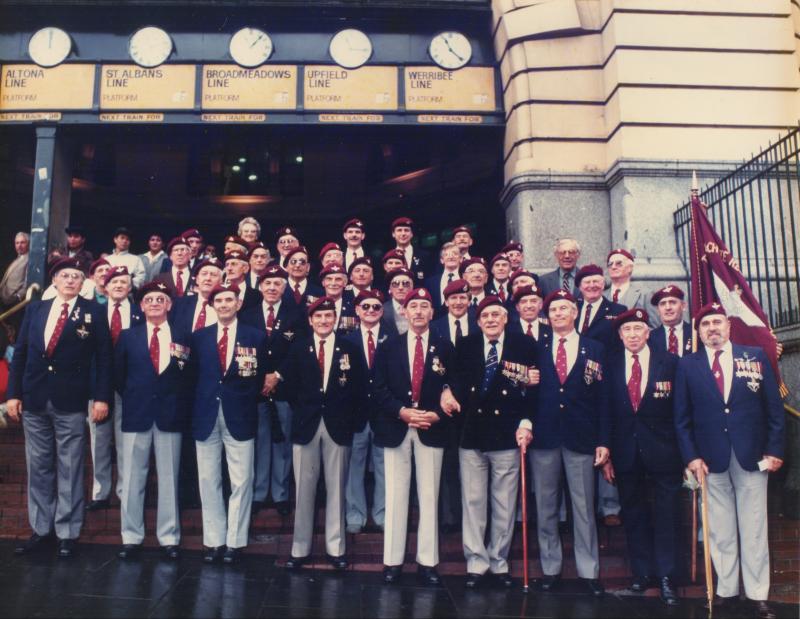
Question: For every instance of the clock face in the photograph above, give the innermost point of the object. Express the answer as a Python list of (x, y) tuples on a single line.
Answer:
[(150, 46), (250, 47), (350, 48), (450, 50), (49, 46)]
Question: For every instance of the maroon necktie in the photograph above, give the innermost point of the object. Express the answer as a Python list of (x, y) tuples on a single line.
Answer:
[(298, 296), (222, 349), (672, 345), (529, 332), (179, 284), (116, 323), (270, 319), (587, 318), (561, 361), (62, 320), (635, 384), (716, 370), (155, 350), (501, 292), (321, 361), (201, 317), (416, 372), (615, 298), (370, 348)]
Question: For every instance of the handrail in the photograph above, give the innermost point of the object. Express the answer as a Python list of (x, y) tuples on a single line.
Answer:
[(32, 289), (791, 411)]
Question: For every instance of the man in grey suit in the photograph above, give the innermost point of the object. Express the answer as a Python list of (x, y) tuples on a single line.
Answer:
[(399, 282), (567, 253), (623, 291)]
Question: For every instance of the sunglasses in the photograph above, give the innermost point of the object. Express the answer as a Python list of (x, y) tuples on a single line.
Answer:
[(616, 263), (401, 284), (375, 307)]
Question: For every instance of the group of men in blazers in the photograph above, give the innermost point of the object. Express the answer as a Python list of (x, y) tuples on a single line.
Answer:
[(456, 382)]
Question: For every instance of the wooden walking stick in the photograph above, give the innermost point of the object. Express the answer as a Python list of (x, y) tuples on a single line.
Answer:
[(694, 536), (707, 548), (524, 521)]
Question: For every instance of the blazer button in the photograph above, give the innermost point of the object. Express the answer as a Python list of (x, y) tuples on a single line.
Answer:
[(496, 412), (727, 410), (217, 399), (561, 390), (49, 368), (321, 390), (409, 393), (505, 392), (479, 411), (472, 389), (560, 406), (724, 429)]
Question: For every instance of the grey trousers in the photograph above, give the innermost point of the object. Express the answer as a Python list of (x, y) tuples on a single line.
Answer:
[(334, 458), (167, 449), (363, 446), (737, 515), (273, 460), (495, 473), (428, 471), (580, 476), (55, 442), (217, 531), (103, 438)]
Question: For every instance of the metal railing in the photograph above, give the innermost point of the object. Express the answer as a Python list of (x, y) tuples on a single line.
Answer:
[(756, 211)]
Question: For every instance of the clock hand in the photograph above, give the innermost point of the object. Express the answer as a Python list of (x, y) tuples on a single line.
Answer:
[(452, 51), (260, 36), (50, 39)]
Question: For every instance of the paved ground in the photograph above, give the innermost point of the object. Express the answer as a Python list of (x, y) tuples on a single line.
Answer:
[(95, 583)]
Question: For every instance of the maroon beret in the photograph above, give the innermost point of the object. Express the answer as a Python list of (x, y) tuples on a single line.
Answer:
[(178, 240), (469, 262), (328, 247), (235, 254), (461, 229), (300, 249), (418, 294), (92, 268), (397, 273), (635, 314), (353, 223), (667, 291), (586, 271), (520, 273), (621, 252), (332, 269), (210, 261), (394, 253), (707, 310), (558, 295), (254, 245), (286, 231), (369, 294), (222, 288), (488, 300), (152, 287), (497, 257), (321, 304), (71, 263), (512, 246), (457, 286), (403, 221), (526, 291), (362, 260), (115, 272), (273, 271), (192, 233)]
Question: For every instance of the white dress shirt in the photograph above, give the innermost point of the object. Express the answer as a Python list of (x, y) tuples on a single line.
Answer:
[(365, 337), (303, 283), (55, 312), (184, 277), (276, 307), (487, 347), (164, 340), (571, 346), (726, 362), (124, 312), (452, 320), (534, 327), (408, 251), (445, 280), (622, 290), (595, 305), (498, 285), (477, 298), (211, 314), (348, 256), (412, 346), (329, 346), (679, 334), (644, 361), (231, 340)]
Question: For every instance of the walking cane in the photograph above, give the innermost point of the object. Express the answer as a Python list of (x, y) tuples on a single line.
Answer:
[(694, 536), (524, 521), (707, 548)]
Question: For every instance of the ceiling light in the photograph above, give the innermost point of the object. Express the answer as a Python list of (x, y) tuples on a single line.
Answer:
[(236, 168), (252, 177)]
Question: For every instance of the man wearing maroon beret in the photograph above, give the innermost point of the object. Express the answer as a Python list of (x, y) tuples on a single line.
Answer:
[(462, 237), (299, 289), (178, 278), (416, 259), (675, 334), (354, 234)]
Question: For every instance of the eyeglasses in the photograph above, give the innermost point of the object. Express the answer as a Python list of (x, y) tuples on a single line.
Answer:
[(159, 300), (401, 284), (568, 252), (616, 263), (298, 261), (287, 241), (375, 307), (65, 275)]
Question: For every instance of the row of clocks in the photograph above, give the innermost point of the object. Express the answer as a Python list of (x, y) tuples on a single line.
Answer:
[(249, 47)]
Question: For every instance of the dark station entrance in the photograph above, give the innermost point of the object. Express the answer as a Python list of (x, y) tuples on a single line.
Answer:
[(165, 179)]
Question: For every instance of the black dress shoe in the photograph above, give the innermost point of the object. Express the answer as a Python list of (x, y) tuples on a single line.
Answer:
[(231, 556), (473, 581), (129, 552), (763, 611), (97, 505), (550, 583), (256, 507), (668, 594), (428, 576), (66, 548), (338, 563), (392, 573), (213, 555), (283, 507), (295, 563), (595, 587), (173, 553), (504, 580), (33, 543), (722, 602), (640, 584)]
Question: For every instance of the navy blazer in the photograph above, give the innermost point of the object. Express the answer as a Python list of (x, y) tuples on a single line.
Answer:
[(545, 330), (181, 316), (650, 431), (147, 397), (354, 337), (658, 338), (342, 404), (237, 389), (441, 326), (490, 420), (65, 379), (393, 389), (312, 290), (750, 422), (602, 326), (573, 415), (290, 325)]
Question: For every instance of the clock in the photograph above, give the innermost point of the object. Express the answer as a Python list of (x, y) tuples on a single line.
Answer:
[(350, 48), (150, 46), (250, 47), (450, 50), (49, 46)]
